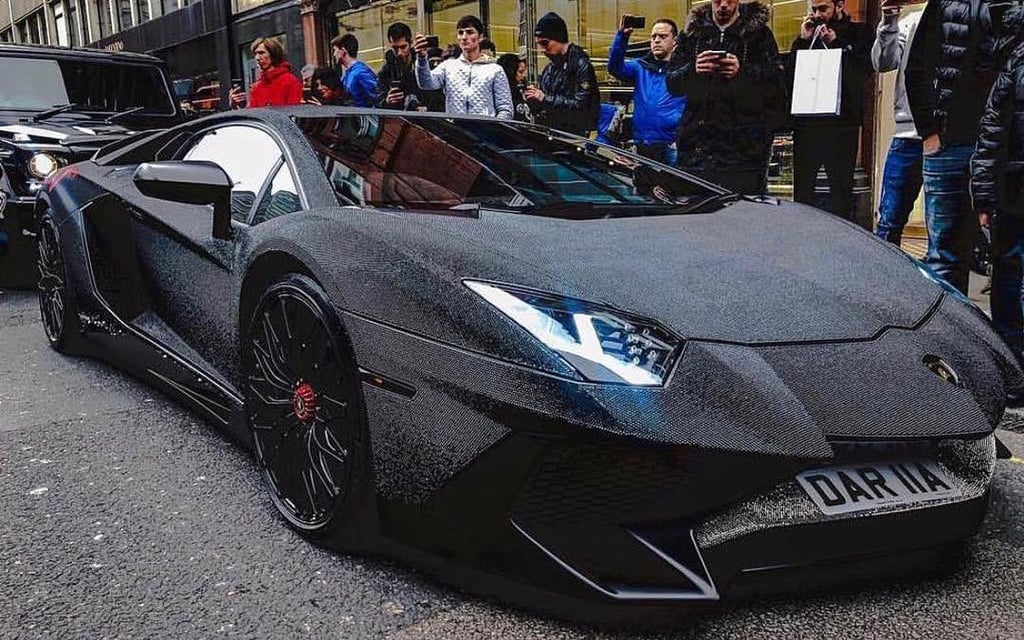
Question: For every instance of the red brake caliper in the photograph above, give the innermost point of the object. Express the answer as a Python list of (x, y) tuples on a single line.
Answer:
[(304, 402)]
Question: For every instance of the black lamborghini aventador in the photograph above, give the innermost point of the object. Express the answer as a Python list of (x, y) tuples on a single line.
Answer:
[(530, 363)]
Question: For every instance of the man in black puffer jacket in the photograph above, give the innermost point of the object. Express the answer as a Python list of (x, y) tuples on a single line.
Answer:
[(568, 98), (832, 141), (729, 70), (948, 76), (997, 188)]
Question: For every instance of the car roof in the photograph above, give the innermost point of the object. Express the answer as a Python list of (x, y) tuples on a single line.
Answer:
[(76, 53)]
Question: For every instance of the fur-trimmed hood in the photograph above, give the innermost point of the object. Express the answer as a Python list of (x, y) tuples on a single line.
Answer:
[(753, 16)]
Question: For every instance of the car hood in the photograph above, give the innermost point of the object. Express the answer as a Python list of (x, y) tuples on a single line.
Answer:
[(795, 323), (750, 273), (81, 136)]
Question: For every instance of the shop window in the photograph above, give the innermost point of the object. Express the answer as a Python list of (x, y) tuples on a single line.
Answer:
[(143, 11), (77, 23), (103, 18), (504, 26), (445, 15), (786, 18), (370, 26), (123, 12), (242, 5), (167, 6), (61, 23)]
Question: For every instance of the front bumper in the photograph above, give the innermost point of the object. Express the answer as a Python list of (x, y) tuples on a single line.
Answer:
[(672, 544)]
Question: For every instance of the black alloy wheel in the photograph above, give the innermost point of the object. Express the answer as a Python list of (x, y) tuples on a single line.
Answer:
[(304, 407), (56, 302)]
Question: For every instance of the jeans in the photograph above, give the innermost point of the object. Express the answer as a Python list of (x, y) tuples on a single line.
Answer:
[(1008, 270), (836, 148), (952, 224), (663, 152), (901, 182)]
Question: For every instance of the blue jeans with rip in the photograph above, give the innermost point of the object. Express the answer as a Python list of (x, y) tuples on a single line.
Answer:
[(901, 182), (952, 224)]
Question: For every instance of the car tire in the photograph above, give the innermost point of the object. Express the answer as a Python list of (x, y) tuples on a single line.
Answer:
[(304, 409), (58, 307)]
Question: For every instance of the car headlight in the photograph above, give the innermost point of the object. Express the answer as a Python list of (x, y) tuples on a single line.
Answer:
[(602, 344), (41, 165)]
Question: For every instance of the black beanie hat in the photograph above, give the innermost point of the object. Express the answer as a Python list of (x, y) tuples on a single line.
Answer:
[(552, 26)]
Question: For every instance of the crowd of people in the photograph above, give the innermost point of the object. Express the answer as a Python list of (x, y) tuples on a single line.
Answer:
[(710, 96)]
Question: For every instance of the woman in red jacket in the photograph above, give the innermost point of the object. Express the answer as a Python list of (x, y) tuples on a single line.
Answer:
[(277, 85)]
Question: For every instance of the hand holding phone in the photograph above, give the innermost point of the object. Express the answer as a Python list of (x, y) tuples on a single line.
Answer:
[(433, 42), (891, 7), (633, 22)]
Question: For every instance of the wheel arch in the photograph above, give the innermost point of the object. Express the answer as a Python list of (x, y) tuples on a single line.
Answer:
[(264, 271)]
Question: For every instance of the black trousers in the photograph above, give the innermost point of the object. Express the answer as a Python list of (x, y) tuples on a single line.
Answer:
[(836, 148)]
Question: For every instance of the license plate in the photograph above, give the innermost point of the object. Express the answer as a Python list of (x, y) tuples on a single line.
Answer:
[(859, 487)]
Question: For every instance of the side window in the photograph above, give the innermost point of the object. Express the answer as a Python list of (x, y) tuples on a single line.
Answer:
[(246, 154), (281, 198)]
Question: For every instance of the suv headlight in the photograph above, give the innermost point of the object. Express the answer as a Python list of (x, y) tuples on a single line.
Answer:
[(602, 344), (41, 165)]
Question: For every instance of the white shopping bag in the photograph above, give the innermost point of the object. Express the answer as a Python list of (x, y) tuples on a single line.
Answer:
[(817, 82)]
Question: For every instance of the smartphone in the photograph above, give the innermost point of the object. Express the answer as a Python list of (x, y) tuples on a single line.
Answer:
[(433, 42), (236, 83), (306, 94), (396, 84), (891, 7), (634, 22), (720, 54)]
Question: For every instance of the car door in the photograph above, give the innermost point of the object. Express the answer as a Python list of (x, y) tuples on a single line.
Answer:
[(193, 277)]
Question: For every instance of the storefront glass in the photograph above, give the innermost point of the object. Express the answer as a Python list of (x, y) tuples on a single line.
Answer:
[(445, 14), (370, 26)]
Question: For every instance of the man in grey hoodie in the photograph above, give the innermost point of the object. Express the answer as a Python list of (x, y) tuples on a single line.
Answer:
[(901, 177)]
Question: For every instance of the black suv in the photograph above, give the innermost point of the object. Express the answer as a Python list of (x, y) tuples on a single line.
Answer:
[(58, 106)]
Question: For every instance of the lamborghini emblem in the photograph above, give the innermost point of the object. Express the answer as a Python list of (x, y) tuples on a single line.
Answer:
[(939, 367)]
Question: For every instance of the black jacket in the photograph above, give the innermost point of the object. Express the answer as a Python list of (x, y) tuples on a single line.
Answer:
[(951, 69), (571, 99), (728, 123), (393, 69), (855, 39), (1000, 147)]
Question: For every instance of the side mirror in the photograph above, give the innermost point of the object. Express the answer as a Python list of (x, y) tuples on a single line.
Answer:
[(189, 182)]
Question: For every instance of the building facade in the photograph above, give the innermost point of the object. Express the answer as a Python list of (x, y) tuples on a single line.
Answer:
[(205, 43)]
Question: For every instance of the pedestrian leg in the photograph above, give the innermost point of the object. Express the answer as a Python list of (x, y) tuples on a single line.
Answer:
[(901, 183), (806, 161), (840, 159), (952, 225)]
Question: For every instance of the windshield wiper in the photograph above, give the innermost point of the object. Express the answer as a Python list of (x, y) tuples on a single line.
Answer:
[(122, 114), (49, 113)]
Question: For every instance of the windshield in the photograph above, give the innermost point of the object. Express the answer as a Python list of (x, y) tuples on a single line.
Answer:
[(39, 84), (442, 163)]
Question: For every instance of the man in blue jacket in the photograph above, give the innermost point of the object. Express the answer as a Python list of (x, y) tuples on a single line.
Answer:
[(359, 80), (656, 112)]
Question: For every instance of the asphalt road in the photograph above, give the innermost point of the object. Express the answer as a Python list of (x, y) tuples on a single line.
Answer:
[(124, 516)]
